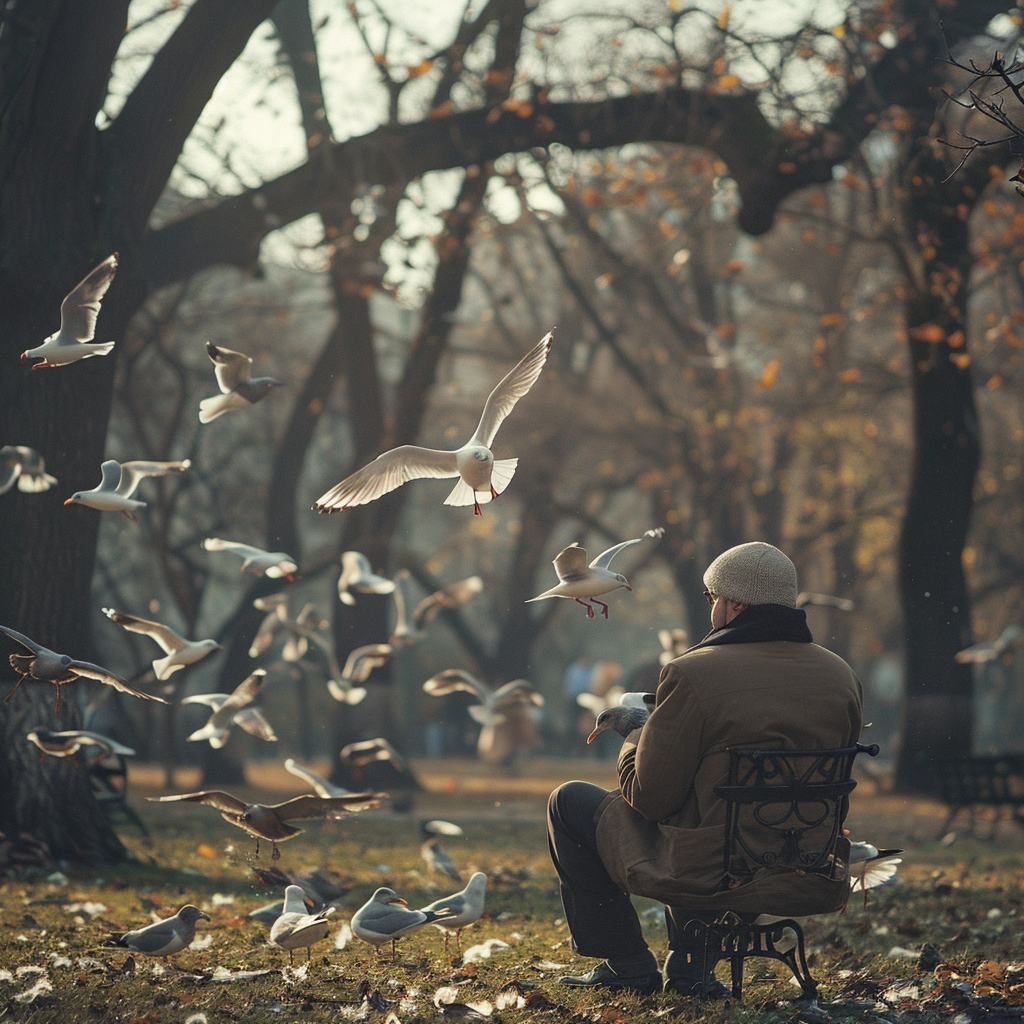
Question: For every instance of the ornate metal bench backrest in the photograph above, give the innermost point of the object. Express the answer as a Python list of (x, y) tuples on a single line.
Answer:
[(792, 801)]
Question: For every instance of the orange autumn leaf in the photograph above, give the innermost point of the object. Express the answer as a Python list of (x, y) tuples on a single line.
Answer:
[(847, 376), (728, 82), (723, 18), (206, 851), (769, 373), (420, 69), (928, 332), (831, 319)]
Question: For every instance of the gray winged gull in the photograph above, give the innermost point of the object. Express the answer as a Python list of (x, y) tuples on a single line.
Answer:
[(411, 625), (583, 583), (358, 666), (270, 821), (180, 652), (386, 917), (273, 564), (465, 907), (357, 574), (480, 477), (78, 313), (631, 712), (25, 465), (238, 388), (433, 853), (117, 485), (162, 938), (1001, 648), (70, 741), (296, 927), (321, 786), (231, 709), (47, 666)]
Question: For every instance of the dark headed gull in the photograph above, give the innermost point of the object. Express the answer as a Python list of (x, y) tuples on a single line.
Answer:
[(357, 574), (162, 938), (230, 709), (358, 666), (270, 821), (296, 927), (583, 583), (26, 466), (1002, 647), (78, 313), (69, 742), (409, 628), (481, 478), (273, 564), (437, 858), (49, 667), (180, 652), (238, 390), (386, 917), (465, 907), (118, 483)]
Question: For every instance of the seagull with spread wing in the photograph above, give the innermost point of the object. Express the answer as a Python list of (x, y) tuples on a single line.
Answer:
[(411, 627), (25, 465), (273, 564), (234, 378), (357, 574), (358, 666), (232, 709), (117, 485), (180, 652), (321, 786), (270, 821), (304, 627), (481, 478), (78, 313), (70, 741), (47, 666), (582, 583), (1001, 648)]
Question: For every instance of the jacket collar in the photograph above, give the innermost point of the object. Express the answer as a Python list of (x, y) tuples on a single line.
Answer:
[(759, 624)]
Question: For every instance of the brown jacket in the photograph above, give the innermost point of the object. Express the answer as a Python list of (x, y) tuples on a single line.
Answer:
[(662, 834)]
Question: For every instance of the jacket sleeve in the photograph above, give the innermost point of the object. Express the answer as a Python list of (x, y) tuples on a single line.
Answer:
[(658, 764)]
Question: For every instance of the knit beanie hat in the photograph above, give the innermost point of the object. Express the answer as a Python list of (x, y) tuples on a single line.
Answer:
[(754, 573)]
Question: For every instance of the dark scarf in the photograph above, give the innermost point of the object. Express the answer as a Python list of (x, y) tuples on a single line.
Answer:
[(760, 623)]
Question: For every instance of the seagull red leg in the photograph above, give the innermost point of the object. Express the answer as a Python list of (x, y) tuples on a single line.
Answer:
[(604, 607), (16, 685), (476, 506), (587, 605), (494, 493)]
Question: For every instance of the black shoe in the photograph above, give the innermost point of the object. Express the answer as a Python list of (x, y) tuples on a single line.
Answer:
[(602, 976), (714, 989)]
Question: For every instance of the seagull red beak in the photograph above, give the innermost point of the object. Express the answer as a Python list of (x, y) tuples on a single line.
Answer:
[(70, 501), (23, 355), (628, 587)]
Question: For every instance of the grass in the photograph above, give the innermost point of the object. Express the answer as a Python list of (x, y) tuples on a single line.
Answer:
[(965, 898)]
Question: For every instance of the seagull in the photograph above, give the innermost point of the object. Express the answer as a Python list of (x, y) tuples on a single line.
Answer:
[(26, 466), (409, 628), (321, 786), (162, 938), (633, 710), (273, 564), (806, 597), (118, 483), (295, 927), (870, 867), (1002, 647), (301, 629), (230, 709), (47, 666), (238, 390), (357, 574), (386, 917), (481, 478), (504, 713), (674, 642), (318, 888), (437, 858), (465, 907), (358, 666), (270, 821), (356, 756), (180, 652), (69, 742), (585, 583), (78, 313)]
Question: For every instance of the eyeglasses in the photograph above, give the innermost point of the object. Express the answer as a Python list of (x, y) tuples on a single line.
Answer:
[(710, 598)]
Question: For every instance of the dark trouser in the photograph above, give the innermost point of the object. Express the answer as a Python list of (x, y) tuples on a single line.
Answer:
[(599, 914)]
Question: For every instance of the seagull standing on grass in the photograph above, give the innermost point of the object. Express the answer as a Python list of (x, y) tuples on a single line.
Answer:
[(296, 927), (117, 485), (465, 907), (25, 465), (386, 917), (78, 313), (230, 709), (437, 858), (273, 564), (481, 478), (180, 652), (583, 583), (162, 938), (238, 389)]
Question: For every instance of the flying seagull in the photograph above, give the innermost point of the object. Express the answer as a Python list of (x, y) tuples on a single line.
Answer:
[(180, 652), (303, 628), (118, 483), (78, 313), (162, 938), (26, 466), (273, 564), (806, 597), (47, 666), (386, 917), (358, 666), (230, 709), (481, 478), (411, 627), (238, 390), (321, 786), (1002, 647), (465, 907), (296, 927), (870, 866), (69, 742), (270, 821), (357, 574), (585, 583)]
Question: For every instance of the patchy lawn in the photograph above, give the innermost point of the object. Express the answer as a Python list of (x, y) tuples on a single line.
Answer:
[(963, 897)]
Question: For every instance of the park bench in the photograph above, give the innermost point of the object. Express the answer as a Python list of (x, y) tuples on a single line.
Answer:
[(109, 779), (797, 799), (973, 783)]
